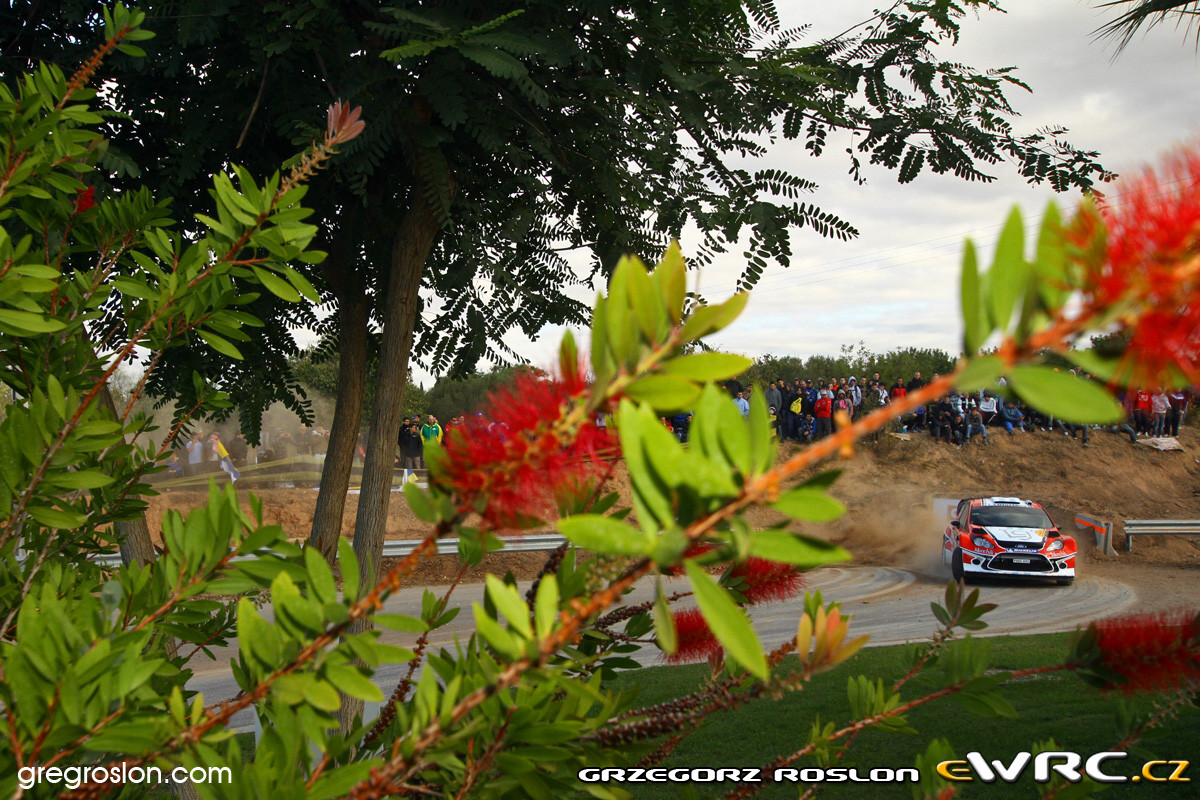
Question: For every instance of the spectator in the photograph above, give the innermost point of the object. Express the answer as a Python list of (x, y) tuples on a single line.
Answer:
[(898, 389), (915, 383), (412, 447), (1011, 417), (824, 415), (959, 430), (195, 456), (842, 404), (773, 397), (237, 450), (1160, 404), (1141, 412), (174, 468), (988, 408), (743, 405), (854, 394), (1179, 402), (431, 430), (807, 429), (975, 424), (941, 419)]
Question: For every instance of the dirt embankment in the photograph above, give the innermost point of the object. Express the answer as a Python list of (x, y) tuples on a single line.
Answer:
[(888, 489)]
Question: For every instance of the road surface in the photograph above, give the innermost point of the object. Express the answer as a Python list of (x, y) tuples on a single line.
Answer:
[(889, 604)]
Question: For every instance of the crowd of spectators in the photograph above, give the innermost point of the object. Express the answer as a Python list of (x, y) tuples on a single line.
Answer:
[(805, 410)]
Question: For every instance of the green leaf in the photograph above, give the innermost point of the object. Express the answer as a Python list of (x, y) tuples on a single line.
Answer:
[(509, 603), (1065, 396), (88, 479), (546, 605), (320, 576), (603, 535), (1051, 263), (672, 279), (599, 350), (219, 344), (980, 373), (27, 323), (349, 564), (1102, 367), (350, 681), (664, 622), (419, 503), (790, 548), (705, 367), (730, 310), (664, 392), (277, 285), (322, 696), (57, 518), (762, 443), (975, 320), (491, 632), (727, 622), (810, 505), (401, 622), (645, 302), (1009, 273)]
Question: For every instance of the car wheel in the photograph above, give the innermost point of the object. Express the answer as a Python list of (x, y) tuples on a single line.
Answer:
[(956, 570), (1065, 581)]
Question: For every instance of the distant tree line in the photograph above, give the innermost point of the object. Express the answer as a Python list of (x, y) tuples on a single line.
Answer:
[(853, 360)]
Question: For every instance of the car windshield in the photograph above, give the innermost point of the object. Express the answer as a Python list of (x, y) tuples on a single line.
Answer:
[(1010, 517)]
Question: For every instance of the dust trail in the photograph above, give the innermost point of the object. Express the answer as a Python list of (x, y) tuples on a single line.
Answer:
[(895, 534)]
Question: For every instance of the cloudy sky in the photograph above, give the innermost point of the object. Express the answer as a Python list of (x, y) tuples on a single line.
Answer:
[(896, 284)]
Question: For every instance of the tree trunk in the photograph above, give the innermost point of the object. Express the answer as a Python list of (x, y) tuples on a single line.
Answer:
[(136, 546), (343, 435), (410, 248), (134, 535)]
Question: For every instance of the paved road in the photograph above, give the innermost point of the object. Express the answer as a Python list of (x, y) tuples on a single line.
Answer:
[(891, 605)]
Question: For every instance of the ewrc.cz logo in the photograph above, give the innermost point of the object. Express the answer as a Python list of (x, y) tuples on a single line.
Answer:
[(1065, 764)]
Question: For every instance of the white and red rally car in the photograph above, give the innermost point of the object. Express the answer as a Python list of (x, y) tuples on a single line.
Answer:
[(1006, 537)]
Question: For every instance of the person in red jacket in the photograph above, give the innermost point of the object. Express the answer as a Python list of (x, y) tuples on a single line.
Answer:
[(1141, 412), (824, 409)]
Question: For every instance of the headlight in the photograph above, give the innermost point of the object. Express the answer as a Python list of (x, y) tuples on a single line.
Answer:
[(1057, 544), (979, 541)]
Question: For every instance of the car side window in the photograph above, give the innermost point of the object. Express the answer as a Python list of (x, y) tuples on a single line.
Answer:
[(965, 517)]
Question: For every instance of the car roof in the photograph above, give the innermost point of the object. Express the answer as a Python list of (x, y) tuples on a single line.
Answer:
[(1004, 501)]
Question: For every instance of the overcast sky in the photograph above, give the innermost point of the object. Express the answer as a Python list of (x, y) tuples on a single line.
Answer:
[(896, 284)]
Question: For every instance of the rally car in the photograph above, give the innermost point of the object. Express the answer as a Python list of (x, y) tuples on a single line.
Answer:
[(1006, 537)]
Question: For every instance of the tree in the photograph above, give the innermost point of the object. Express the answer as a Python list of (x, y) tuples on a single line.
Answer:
[(506, 134), (450, 397), (522, 707), (1147, 13)]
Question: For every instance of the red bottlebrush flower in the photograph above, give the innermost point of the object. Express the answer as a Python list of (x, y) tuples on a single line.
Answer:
[(85, 199), (766, 581), (696, 641), (511, 465), (1151, 652), (1149, 268)]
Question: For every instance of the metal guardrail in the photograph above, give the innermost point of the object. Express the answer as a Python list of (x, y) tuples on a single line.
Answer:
[(1103, 532), (1159, 527), (533, 542)]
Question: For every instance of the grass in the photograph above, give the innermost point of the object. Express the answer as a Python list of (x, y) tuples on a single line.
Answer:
[(1058, 706)]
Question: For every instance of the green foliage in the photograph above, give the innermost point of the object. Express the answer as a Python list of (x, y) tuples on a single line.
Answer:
[(854, 360), (95, 661), (449, 397), (316, 369)]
